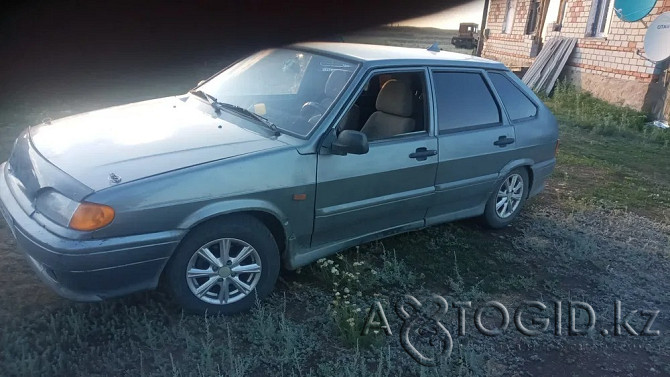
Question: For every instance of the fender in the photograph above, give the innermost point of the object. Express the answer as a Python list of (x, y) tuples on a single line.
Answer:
[(224, 207), (511, 166)]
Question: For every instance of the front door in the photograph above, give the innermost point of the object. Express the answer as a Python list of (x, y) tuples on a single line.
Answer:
[(390, 187)]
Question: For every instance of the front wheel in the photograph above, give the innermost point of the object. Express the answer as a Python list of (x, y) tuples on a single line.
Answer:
[(507, 200), (222, 266)]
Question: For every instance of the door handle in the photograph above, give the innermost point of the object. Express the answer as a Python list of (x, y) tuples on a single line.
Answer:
[(422, 153), (503, 141)]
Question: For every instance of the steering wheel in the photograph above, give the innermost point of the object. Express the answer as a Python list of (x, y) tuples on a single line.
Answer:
[(311, 109)]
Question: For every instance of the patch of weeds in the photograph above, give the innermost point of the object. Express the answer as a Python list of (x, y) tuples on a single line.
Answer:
[(464, 362), (551, 286), (518, 283), (506, 256), (350, 282), (394, 272), (458, 287), (371, 270), (237, 366), (379, 363), (282, 344), (349, 320), (340, 272)]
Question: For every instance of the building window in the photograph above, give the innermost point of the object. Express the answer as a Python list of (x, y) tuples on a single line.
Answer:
[(561, 12), (509, 17), (561, 15), (533, 11), (599, 20)]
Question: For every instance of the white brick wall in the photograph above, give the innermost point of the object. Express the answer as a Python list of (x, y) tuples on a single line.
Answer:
[(610, 62)]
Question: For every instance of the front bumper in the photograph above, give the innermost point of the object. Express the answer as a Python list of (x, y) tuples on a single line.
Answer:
[(88, 270)]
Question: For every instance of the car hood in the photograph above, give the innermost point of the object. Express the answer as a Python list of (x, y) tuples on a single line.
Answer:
[(129, 142)]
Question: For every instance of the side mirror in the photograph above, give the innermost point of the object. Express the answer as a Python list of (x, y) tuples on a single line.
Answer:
[(349, 141)]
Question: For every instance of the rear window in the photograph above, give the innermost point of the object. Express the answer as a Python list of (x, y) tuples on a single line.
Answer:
[(518, 105), (464, 100)]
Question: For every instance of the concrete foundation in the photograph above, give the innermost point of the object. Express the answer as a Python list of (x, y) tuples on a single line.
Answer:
[(630, 93)]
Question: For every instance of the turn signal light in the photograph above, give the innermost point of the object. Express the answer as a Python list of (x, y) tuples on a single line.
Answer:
[(91, 216)]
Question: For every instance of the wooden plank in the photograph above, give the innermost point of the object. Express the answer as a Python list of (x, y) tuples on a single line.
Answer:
[(547, 67), (570, 47), (550, 66), (540, 61)]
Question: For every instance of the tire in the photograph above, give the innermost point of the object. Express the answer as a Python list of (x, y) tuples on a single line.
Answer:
[(498, 212), (253, 275)]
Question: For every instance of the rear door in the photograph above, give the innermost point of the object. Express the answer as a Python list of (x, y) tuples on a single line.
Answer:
[(475, 142)]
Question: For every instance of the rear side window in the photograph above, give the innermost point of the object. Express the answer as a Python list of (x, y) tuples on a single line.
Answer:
[(464, 100), (518, 105)]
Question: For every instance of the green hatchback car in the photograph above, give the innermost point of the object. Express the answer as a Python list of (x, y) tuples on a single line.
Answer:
[(285, 157)]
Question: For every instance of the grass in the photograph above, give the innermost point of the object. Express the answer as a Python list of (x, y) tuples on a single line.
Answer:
[(609, 157), (599, 232), (580, 109)]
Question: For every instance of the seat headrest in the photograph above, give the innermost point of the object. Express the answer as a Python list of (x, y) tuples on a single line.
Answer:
[(335, 83), (395, 98)]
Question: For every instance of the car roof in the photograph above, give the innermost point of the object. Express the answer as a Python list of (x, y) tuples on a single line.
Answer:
[(389, 54)]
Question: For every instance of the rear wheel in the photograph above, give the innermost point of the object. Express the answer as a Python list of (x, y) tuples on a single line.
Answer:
[(507, 200), (222, 266)]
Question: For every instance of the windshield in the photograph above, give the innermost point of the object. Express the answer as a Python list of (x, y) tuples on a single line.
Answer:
[(292, 89)]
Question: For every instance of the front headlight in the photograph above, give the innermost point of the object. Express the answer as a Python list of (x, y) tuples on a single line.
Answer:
[(69, 213), (56, 207)]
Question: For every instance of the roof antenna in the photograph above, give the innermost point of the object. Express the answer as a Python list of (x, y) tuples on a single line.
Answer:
[(434, 47)]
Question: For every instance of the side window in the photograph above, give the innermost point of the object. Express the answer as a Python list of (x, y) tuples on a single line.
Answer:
[(464, 100), (518, 105), (392, 104)]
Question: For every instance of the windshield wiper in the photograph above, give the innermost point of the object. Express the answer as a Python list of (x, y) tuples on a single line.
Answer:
[(218, 106), (240, 110)]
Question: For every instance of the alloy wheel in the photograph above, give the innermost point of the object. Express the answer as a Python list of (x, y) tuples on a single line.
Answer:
[(509, 196), (223, 271)]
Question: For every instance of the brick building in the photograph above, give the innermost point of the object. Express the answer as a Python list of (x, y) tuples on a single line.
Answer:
[(606, 60)]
